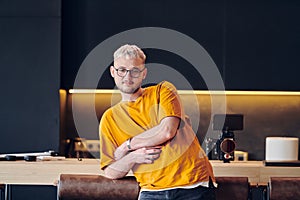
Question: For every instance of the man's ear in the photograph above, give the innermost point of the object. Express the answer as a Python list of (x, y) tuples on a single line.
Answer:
[(112, 70), (145, 73)]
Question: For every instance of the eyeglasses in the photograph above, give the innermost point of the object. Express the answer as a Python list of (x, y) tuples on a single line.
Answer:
[(134, 73)]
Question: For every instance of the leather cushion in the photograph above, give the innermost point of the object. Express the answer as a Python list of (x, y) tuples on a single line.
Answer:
[(232, 188), (284, 188), (88, 187)]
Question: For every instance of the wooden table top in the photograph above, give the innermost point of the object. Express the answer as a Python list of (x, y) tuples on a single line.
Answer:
[(47, 172)]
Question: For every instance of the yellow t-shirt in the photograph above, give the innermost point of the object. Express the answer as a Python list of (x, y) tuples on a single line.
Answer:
[(182, 161)]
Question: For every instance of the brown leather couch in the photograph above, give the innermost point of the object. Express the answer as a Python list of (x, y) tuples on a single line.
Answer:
[(232, 188), (281, 188), (89, 187)]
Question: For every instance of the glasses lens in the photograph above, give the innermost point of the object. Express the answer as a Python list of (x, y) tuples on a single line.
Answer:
[(135, 73), (121, 72)]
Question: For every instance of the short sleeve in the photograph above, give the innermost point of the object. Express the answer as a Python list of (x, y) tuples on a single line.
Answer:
[(107, 145), (169, 101)]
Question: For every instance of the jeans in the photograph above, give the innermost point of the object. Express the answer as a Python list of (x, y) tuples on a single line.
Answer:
[(198, 193)]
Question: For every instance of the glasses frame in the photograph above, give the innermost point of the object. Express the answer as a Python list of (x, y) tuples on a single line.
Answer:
[(130, 71)]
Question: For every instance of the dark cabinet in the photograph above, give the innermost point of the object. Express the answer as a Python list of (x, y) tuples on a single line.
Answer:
[(254, 44), (262, 45)]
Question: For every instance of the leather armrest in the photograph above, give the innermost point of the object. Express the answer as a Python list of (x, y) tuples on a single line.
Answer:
[(86, 187)]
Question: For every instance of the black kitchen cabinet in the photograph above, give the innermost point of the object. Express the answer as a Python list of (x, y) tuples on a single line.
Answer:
[(254, 44), (262, 45)]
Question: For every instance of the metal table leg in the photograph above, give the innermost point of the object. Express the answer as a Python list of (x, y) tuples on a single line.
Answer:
[(7, 195)]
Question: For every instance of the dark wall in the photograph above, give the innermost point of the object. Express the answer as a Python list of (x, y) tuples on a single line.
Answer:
[(264, 116), (262, 45), (88, 23), (253, 43), (29, 75)]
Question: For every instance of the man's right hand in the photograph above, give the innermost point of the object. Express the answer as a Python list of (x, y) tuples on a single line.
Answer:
[(121, 167), (146, 155), (142, 155)]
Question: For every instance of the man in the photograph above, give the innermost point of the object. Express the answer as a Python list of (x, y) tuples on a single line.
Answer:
[(148, 133)]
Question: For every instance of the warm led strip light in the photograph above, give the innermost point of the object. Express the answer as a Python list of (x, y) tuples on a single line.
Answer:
[(205, 92), (92, 91)]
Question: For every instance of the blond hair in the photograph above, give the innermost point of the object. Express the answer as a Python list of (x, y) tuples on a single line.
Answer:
[(129, 52)]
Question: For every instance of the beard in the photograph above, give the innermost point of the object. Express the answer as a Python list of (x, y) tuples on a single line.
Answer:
[(131, 89)]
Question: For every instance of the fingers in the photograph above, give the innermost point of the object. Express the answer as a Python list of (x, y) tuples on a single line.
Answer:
[(155, 147), (150, 158), (153, 151), (152, 154), (147, 155)]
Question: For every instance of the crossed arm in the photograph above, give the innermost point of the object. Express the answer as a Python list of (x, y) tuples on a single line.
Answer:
[(145, 148)]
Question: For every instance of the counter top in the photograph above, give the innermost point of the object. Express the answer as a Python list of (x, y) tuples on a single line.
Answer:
[(44, 172), (47, 172)]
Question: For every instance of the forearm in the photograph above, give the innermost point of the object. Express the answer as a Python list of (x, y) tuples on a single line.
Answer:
[(119, 168), (151, 137), (157, 135)]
